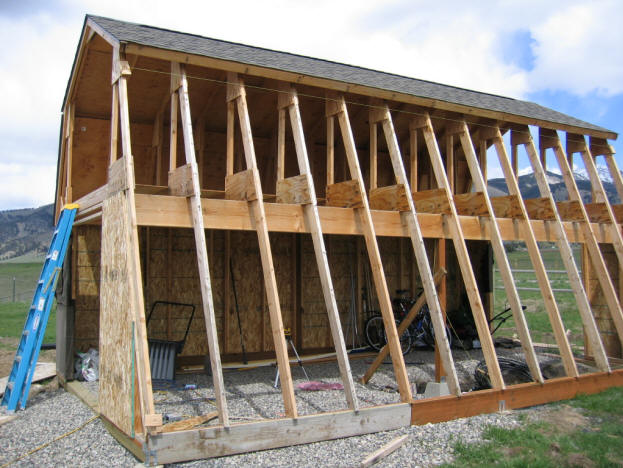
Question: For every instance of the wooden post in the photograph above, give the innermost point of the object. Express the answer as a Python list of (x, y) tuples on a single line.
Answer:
[(535, 256), (121, 70), (462, 255), (330, 150), (500, 253), (417, 241), (338, 108), (289, 102), (373, 156), (591, 243), (236, 94), (180, 83), (567, 255)]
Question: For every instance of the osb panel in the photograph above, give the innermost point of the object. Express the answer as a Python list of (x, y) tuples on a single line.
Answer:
[(115, 390)]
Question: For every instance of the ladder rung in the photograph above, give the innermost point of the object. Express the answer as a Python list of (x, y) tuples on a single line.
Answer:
[(18, 359), (9, 385), (26, 332)]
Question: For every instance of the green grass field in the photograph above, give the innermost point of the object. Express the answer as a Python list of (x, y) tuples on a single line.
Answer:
[(586, 431), (536, 315), (13, 314)]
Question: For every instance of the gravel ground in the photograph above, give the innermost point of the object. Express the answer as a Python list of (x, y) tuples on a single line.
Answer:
[(250, 395)]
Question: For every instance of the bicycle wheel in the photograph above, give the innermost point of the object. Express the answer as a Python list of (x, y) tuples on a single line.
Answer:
[(375, 333), (405, 340)]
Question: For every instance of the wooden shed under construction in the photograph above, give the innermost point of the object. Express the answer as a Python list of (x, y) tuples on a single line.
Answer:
[(200, 163)]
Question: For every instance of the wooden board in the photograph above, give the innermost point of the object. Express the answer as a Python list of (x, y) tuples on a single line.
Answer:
[(249, 437), (43, 370), (116, 389)]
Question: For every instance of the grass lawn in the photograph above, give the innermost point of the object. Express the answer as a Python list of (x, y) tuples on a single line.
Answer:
[(13, 317), (586, 431), (536, 315)]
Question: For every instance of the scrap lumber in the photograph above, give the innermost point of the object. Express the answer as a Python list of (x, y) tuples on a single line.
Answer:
[(189, 423), (288, 101), (191, 188), (523, 136), (529, 238), (417, 241), (384, 451), (236, 97), (454, 226), (337, 108)]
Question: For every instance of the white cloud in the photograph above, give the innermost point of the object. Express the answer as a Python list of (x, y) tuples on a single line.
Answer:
[(577, 49)]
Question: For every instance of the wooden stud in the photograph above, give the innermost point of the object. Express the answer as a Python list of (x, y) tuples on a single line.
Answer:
[(497, 244), (134, 274), (601, 270), (566, 254), (374, 255), (281, 145), (413, 156), (312, 219), (330, 150), (173, 133), (114, 125), (230, 138), (373, 156), (178, 79), (236, 93), (462, 255), (417, 241)]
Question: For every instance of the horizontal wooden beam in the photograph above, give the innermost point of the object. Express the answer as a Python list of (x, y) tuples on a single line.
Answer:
[(446, 408), (267, 434), (169, 211)]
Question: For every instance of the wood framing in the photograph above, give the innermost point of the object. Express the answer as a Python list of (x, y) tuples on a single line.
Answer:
[(236, 93), (383, 116), (478, 312), (208, 151), (336, 108)]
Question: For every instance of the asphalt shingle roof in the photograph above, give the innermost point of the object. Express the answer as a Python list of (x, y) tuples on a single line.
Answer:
[(126, 32)]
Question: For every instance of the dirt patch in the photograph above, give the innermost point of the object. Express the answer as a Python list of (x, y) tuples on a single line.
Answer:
[(8, 346), (564, 419)]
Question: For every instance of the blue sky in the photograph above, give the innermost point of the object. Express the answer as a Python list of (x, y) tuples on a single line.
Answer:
[(566, 55)]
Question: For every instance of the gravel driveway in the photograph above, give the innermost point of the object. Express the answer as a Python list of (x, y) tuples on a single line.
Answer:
[(250, 395)]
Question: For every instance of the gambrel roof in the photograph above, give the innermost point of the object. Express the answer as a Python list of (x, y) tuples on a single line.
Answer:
[(131, 33)]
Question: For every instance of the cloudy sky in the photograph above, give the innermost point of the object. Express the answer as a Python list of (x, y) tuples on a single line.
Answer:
[(567, 55)]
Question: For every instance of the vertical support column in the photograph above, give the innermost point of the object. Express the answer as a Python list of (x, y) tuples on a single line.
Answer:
[(236, 95), (330, 150), (566, 254), (338, 108), (373, 156), (500, 254), (288, 101), (121, 70), (180, 84), (410, 219), (535, 255), (462, 255), (550, 139)]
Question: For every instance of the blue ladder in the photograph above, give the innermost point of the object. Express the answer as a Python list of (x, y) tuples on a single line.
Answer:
[(20, 378)]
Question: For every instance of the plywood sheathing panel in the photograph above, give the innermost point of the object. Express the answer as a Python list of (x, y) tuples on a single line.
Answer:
[(116, 387)]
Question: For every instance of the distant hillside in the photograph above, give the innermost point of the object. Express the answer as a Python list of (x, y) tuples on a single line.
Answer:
[(25, 232), (529, 188)]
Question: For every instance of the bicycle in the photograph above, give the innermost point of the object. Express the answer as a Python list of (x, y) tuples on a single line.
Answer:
[(420, 330)]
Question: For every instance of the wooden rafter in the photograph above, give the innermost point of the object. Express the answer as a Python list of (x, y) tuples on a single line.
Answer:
[(523, 136), (383, 116), (236, 97), (180, 83), (499, 252), (288, 102), (462, 255), (337, 108), (529, 238)]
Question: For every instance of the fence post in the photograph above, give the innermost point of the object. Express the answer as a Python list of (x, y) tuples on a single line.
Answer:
[(14, 289)]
